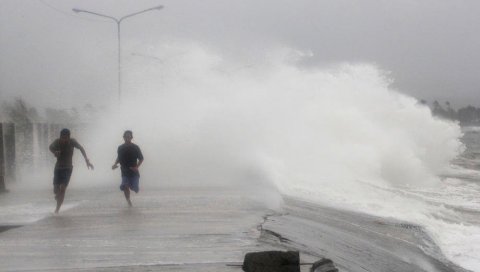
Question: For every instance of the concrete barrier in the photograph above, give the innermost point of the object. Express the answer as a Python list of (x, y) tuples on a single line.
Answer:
[(2, 162), (9, 151)]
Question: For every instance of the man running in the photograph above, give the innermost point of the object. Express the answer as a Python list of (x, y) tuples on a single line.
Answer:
[(130, 158), (62, 148)]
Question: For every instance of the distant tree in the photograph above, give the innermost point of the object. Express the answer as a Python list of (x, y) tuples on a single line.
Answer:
[(446, 113), (20, 112), (437, 110), (62, 116), (469, 115), (449, 112)]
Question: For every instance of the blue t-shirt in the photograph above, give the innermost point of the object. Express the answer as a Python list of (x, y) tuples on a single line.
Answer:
[(128, 156)]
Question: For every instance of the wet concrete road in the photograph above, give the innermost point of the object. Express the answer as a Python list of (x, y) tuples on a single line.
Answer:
[(205, 230), (166, 230)]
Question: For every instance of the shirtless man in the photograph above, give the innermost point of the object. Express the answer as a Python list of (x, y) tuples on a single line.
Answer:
[(62, 148)]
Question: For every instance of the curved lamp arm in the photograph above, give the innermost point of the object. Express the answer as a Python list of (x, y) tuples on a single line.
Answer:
[(94, 13)]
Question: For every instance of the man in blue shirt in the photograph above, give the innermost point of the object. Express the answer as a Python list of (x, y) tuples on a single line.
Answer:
[(130, 158)]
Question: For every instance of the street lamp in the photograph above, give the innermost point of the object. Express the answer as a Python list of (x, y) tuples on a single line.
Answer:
[(118, 21)]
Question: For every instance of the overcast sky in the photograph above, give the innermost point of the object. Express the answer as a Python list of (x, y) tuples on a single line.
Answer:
[(431, 47)]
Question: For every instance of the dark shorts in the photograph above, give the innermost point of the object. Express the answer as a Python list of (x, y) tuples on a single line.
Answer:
[(61, 176), (130, 182)]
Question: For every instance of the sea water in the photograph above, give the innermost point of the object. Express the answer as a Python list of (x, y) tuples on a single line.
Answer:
[(338, 135)]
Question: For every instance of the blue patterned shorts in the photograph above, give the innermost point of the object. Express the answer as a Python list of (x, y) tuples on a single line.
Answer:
[(130, 182)]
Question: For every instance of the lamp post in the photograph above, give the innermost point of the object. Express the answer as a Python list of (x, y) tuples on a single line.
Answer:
[(118, 21)]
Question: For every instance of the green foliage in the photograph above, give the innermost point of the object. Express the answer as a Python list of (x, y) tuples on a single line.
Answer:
[(20, 112), (62, 116), (466, 116)]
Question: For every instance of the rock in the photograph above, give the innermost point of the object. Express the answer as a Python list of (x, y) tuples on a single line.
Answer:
[(272, 261), (323, 265)]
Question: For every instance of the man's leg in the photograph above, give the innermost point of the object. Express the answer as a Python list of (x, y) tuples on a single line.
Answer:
[(56, 189), (126, 191), (134, 183), (60, 181), (125, 187), (60, 196)]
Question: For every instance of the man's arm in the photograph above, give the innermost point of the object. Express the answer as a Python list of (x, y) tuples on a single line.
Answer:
[(117, 160), (115, 164), (135, 168), (54, 148), (77, 145)]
